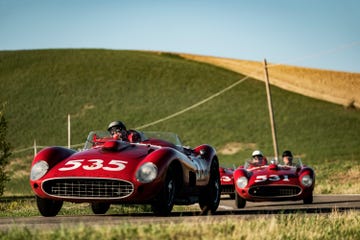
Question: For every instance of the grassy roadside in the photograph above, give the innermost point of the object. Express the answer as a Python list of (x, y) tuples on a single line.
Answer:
[(293, 226)]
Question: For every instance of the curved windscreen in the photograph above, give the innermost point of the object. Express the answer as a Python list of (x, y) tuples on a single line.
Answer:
[(99, 137)]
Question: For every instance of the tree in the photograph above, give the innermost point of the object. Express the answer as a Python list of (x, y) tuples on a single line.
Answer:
[(4, 151)]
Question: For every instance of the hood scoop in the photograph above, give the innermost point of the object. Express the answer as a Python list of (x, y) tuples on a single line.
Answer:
[(115, 145)]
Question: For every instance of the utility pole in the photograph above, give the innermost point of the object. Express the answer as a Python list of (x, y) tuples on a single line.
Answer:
[(69, 132), (35, 148), (271, 112)]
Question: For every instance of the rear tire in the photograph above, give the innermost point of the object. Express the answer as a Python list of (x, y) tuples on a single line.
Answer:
[(100, 208), (239, 201), (210, 197), (164, 202), (48, 207)]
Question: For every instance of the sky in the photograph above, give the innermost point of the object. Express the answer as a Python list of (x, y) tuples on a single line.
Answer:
[(323, 34)]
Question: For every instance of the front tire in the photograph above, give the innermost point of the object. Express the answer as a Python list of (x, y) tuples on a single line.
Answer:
[(308, 199), (239, 201), (210, 197), (164, 202), (100, 208), (48, 207)]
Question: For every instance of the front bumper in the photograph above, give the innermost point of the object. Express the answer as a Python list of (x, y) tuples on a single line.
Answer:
[(77, 189)]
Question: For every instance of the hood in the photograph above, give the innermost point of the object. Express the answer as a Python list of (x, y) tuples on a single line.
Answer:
[(273, 175), (114, 160)]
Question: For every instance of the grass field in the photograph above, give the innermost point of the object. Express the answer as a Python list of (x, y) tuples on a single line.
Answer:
[(332, 86)]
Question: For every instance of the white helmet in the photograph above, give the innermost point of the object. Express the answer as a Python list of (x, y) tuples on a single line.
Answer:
[(257, 153)]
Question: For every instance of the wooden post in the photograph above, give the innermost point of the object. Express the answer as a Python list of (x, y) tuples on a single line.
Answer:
[(271, 113), (35, 148), (69, 132)]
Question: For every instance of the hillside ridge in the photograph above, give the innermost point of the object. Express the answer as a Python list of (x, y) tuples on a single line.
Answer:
[(331, 86)]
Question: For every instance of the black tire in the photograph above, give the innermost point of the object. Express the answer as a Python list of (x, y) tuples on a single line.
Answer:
[(239, 201), (164, 202), (308, 199), (100, 208), (210, 196), (48, 207)]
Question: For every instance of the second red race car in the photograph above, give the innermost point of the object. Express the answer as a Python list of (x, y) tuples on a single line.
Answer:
[(227, 181), (273, 182), (155, 170)]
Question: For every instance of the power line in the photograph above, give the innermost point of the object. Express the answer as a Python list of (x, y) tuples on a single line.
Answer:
[(194, 105)]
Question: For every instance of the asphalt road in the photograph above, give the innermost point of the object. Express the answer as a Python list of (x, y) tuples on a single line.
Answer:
[(323, 204)]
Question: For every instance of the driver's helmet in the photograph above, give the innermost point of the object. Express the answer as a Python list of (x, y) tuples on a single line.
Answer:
[(257, 157), (257, 153), (117, 130)]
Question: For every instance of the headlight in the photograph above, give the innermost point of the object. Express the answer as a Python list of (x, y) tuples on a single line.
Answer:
[(147, 172), (38, 170), (306, 180), (241, 182)]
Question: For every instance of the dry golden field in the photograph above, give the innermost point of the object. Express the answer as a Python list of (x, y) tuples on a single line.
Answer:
[(332, 86)]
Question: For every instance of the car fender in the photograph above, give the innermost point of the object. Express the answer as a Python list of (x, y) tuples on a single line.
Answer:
[(206, 151), (164, 157), (307, 171), (53, 155), (239, 172)]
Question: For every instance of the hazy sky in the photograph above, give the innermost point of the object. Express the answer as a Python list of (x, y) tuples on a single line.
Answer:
[(313, 33)]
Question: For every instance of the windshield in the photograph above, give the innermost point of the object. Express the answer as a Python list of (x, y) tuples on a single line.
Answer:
[(99, 137), (295, 162), (250, 163), (167, 136)]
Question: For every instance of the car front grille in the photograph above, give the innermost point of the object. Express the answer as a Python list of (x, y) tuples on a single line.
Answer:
[(227, 188), (84, 188), (274, 191)]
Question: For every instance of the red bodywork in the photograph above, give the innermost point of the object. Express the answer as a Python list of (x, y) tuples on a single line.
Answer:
[(107, 172), (274, 182), (227, 181)]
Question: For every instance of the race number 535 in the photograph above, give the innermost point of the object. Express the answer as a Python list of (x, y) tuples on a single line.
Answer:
[(94, 164), (273, 178)]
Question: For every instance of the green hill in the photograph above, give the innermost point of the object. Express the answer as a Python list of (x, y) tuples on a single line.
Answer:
[(41, 87)]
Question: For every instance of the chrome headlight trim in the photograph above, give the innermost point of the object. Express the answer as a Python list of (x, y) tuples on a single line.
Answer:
[(306, 180), (147, 172), (241, 182), (38, 170)]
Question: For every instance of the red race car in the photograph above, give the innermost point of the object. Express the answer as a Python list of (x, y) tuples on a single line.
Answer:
[(155, 170), (227, 181), (273, 182)]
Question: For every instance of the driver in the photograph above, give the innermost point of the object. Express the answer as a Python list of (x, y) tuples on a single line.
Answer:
[(258, 158), (118, 131), (287, 158)]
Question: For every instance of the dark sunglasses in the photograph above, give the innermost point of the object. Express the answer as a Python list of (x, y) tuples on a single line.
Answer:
[(115, 130)]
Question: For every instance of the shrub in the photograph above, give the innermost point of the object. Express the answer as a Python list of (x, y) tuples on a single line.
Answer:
[(4, 150)]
